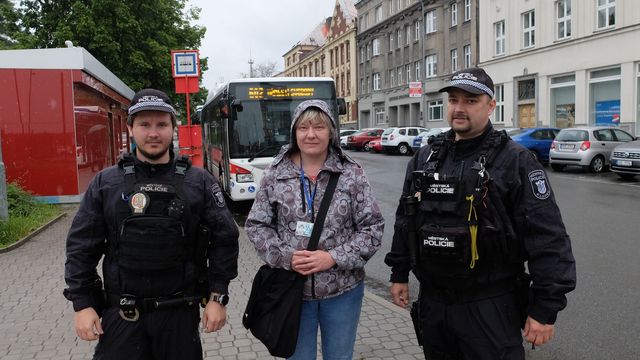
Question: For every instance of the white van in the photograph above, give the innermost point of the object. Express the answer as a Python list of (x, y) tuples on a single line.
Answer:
[(400, 139)]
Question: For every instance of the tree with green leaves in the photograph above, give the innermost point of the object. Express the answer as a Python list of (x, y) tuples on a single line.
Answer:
[(133, 39), (8, 25)]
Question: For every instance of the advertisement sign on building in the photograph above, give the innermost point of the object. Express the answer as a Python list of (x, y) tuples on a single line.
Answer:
[(608, 112), (415, 89)]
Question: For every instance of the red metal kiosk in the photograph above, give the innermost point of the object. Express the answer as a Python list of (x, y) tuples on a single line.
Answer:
[(62, 119), (186, 72)]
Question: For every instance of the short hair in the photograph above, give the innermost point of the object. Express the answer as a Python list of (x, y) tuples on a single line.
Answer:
[(309, 115)]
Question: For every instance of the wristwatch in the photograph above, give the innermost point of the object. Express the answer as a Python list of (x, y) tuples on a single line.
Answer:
[(220, 299)]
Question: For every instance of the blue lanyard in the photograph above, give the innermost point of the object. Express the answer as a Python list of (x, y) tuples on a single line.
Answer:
[(307, 191)]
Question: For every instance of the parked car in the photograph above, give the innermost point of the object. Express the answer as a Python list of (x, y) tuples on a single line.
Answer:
[(360, 141), (625, 159), (375, 146), (423, 138), (400, 138), (589, 147), (344, 134), (537, 140)]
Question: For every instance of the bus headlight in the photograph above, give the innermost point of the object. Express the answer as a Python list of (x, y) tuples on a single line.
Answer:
[(243, 178)]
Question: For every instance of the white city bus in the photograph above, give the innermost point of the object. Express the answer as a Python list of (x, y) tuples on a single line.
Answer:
[(247, 121)]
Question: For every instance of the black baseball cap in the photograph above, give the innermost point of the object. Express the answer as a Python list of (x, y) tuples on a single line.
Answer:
[(472, 80), (150, 99)]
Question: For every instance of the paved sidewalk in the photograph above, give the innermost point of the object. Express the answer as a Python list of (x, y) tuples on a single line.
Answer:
[(36, 322)]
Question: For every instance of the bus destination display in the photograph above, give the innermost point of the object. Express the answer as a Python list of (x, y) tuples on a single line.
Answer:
[(260, 92)]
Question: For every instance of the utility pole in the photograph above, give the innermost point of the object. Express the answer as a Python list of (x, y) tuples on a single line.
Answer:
[(250, 65)]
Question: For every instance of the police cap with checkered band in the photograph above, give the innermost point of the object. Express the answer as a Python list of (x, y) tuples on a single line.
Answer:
[(150, 100), (472, 80)]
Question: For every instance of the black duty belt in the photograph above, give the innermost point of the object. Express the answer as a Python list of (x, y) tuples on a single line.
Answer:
[(130, 306), (461, 296)]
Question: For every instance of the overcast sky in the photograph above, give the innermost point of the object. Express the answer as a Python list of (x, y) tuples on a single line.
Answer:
[(267, 28)]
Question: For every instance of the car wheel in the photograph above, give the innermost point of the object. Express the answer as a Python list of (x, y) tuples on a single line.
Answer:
[(597, 165), (366, 147), (557, 167), (626, 176), (403, 149)]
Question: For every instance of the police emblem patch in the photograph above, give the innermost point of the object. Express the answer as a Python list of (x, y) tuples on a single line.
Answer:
[(139, 202), (538, 180), (217, 195)]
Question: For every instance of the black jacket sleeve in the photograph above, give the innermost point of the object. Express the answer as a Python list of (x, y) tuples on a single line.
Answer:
[(398, 257), (223, 250), (546, 242), (85, 247)]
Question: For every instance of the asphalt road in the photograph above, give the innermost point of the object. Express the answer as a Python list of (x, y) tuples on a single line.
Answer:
[(602, 216)]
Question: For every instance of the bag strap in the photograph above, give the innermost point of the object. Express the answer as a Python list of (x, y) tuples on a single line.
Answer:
[(322, 212)]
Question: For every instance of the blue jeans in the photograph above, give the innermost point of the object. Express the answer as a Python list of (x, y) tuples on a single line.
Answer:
[(338, 319)]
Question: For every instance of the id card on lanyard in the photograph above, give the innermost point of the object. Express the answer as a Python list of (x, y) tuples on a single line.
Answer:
[(304, 228)]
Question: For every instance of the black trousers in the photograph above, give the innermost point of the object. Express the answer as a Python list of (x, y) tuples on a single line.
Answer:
[(158, 335), (484, 329)]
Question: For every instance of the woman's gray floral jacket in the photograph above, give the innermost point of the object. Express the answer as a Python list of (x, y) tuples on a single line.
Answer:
[(352, 231)]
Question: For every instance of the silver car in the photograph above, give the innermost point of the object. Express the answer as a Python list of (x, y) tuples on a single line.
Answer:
[(625, 160), (588, 147)]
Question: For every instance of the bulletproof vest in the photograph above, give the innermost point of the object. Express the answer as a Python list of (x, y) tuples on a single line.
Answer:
[(452, 218), (153, 230)]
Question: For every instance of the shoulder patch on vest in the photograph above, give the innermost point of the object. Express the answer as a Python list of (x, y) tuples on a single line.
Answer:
[(539, 184), (217, 195)]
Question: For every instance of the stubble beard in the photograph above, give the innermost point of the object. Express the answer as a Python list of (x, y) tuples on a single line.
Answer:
[(152, 157)]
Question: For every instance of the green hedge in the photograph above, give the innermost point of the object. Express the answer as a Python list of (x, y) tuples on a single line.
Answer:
[(25, 215)]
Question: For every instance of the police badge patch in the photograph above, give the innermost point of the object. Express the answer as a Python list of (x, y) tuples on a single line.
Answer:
[(217, 195), (539, 185)]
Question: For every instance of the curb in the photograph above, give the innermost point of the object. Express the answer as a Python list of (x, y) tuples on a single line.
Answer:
[(29, 236)]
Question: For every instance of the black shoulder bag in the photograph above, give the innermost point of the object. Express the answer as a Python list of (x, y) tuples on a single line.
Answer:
[(275, 302)]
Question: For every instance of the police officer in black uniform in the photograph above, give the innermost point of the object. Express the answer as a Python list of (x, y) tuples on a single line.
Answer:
[(475, 208), (168, 240)]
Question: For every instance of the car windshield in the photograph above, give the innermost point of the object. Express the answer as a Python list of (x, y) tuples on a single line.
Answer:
[(388, 131), (573, 135), (517, 132)]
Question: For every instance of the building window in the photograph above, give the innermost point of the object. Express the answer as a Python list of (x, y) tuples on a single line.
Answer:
[(398, 5), (348, 50), (376, 81), (362, 86), (467, 10), (453, 7), (407, 34), (528, 29), (368, 84), (378, 14), (399, 75), (390, 7), (376, 47), (564, 18), (390, 41), (606, 13), (407, 69), (435, 110), (604, 96), (454, 60), (498, 114), (430, 22), (379, 114), (500, 37), (417, 65), (563, 101), (322, 64), (361, 57), (431, 64), (399, 37), (348, 83), (368, 52), (341, 53), (392, 78), (418, 29), (467, 56)]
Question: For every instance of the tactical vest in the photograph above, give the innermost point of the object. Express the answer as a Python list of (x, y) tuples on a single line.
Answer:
[(154, 235), (458, 224)]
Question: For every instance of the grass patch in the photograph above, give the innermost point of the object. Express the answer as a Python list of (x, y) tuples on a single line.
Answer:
[(25, 215)]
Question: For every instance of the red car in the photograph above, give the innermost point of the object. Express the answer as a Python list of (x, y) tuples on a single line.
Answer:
[(360, 141), (375, 145)]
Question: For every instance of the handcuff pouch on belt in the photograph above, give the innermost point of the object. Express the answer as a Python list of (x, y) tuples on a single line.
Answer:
[(128, 308)]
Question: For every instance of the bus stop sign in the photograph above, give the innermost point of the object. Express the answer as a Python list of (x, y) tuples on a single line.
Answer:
[(185, 65)]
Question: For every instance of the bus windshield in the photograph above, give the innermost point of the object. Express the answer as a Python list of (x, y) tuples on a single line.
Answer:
[(264, 123)]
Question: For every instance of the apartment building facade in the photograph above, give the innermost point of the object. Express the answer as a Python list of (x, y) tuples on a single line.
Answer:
[(329, 51), (407, 49), (563, 63)]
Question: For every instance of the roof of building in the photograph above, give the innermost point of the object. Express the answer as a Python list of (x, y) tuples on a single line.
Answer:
[(63, 58), (349, 10), (318, 36)]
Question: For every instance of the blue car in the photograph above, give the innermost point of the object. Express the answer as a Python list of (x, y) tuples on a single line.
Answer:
[(537, 140)]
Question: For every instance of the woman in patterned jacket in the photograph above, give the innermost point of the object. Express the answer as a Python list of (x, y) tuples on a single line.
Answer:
[(289, 197)]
